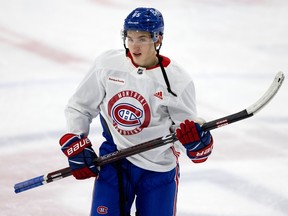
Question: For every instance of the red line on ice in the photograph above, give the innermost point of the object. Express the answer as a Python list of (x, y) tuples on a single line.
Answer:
[(37, 47)]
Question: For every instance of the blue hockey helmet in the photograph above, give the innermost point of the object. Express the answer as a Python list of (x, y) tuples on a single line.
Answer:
[(145, 19)]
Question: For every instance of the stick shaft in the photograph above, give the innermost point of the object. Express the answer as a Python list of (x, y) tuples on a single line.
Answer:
[(118, 155)]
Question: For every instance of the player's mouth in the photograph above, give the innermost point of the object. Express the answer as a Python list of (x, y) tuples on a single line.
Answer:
[(136, 54)]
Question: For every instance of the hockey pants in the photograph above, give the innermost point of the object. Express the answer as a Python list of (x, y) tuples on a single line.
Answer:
[(155, 193)]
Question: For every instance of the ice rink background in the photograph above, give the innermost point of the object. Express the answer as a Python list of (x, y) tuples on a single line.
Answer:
[(232, 48)]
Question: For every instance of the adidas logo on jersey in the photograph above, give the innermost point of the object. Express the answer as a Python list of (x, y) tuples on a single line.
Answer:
[(159, 95)]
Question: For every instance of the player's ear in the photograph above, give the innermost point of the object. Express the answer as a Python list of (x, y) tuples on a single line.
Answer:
[(159, 41)]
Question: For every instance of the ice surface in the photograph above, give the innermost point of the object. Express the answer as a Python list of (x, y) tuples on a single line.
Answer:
[(232, 48)]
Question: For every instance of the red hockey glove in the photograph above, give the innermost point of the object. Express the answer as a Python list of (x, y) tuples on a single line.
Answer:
[(198, 143), (78, 149)]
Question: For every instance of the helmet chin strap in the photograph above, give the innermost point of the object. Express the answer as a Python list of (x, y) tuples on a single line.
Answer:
[(126, 49), (160, 59)]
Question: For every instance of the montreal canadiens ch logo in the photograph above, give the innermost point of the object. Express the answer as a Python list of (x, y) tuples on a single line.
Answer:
[(127, 115), (130, 112)]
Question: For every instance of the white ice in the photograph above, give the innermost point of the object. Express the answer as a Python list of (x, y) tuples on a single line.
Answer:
[(231, 48)]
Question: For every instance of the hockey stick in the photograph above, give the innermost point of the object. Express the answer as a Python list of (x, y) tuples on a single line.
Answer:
[(115, 156)]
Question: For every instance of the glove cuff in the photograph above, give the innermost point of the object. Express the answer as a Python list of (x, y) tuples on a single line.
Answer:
[(83, 173), (202, 154)]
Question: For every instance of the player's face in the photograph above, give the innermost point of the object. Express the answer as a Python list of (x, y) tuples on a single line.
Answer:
[(142, 49)]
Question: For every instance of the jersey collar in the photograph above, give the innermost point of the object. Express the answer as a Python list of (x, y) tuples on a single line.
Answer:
[(165, 62)]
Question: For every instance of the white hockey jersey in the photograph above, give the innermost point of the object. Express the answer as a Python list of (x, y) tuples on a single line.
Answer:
[(135, 103)]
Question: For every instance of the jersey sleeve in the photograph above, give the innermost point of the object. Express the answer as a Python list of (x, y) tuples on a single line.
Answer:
[(83, 106), (184, 105)]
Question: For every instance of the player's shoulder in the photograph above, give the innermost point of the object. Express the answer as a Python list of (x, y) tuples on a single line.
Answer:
[(178, 76), (110, 57), (175, 69)]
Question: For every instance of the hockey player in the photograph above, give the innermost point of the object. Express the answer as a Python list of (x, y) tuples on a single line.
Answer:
[(139, 95)]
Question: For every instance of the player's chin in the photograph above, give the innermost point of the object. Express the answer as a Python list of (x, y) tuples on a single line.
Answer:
[(138, 59)]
